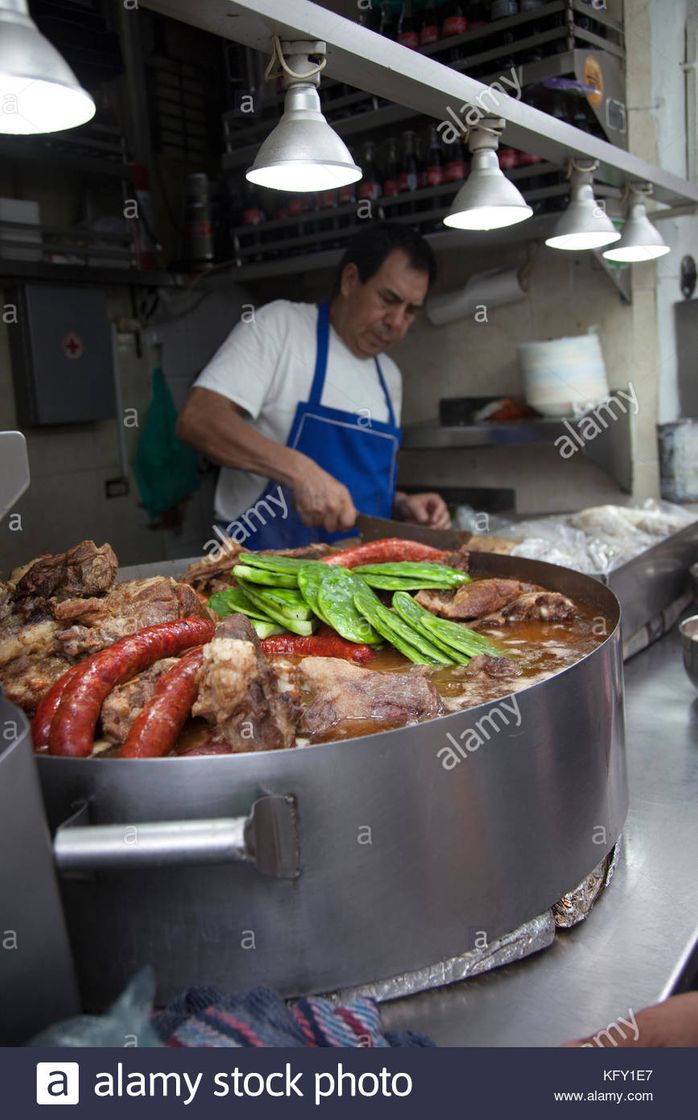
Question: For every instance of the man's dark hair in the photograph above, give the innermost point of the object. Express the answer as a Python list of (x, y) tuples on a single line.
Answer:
[(376, 241)]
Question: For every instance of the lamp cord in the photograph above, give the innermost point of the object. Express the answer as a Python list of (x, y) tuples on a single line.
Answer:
[(277, 56)]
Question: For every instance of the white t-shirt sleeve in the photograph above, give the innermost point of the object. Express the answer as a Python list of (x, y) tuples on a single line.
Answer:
[(244, 366)]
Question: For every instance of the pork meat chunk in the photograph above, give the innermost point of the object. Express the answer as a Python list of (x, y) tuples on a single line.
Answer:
[(239, 692), (124, 702), (534, 606), (342, 693), (473, 600), (128, 607), (82, 571)]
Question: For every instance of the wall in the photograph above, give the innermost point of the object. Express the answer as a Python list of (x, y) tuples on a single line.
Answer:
[(567, 295), (70, 463), (660, 116)]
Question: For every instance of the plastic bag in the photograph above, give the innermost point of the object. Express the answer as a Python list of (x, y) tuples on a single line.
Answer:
[(126, 1023), (166, 469)]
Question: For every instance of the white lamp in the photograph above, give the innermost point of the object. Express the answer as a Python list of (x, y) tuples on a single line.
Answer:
[(303, 153), (584, 224), (38, 90), (487, 199), (639, 241)]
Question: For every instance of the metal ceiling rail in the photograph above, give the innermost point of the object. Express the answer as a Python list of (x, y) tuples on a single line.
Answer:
[(370, 62)]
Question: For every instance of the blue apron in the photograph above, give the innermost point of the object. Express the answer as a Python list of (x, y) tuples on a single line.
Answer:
[(356, 450)]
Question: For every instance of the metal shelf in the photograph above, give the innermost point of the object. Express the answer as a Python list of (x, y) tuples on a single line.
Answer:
[(610, 449), (443, 240), (369, 62), (98, 275)]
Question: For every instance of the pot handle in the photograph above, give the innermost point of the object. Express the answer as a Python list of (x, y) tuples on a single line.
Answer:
[(267, 838)]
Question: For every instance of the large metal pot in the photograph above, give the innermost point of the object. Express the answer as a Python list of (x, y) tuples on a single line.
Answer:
[(362, 859)]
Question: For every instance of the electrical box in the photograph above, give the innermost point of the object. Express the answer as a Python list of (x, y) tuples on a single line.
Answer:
[(61, 352)]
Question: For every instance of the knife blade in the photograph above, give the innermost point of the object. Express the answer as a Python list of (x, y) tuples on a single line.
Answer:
[(376, 528)]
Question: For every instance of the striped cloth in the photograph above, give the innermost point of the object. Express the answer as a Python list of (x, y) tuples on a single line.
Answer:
[(205, 1017)]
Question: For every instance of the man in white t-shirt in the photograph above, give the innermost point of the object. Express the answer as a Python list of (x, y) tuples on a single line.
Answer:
[(300, 413)]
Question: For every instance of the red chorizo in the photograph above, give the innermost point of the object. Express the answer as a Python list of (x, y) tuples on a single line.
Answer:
[(325, 643), (155, 729), (389, 550), (73, 726), (48, 706)]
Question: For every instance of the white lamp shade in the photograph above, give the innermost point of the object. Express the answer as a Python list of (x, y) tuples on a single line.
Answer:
[(639, 241), (303, 153), (38, 90), (487, 199), (584, 224)]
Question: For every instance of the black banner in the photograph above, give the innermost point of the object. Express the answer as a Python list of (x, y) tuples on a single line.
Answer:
[(206, 1083)]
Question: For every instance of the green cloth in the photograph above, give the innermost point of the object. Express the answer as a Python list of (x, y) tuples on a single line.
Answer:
[(166, 469)]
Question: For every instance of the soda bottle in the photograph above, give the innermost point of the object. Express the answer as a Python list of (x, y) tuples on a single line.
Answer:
[(429, 32), (477, 15), (392, 171), (369, 187), (434, 160), (388, 23), (502, 9), (408, 180), (369, 18), (407, 33), (454, 162), (455, 21), (535, 53)]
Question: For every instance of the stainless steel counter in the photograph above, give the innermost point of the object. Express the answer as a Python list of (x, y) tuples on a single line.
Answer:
[(637, 943)]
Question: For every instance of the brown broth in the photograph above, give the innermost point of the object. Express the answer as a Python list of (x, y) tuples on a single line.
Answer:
[(536, 649)]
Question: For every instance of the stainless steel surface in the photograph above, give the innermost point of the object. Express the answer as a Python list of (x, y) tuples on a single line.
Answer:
[(610, 450), (14, 469), (373, 63), (403, 861), (689, 643), (648, 584), (267, 839), (641, 938), (376, 528), (37, 979)]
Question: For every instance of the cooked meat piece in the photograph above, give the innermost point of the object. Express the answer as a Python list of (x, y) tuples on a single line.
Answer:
[(128, 607), (473, 600), (309, 551), (459, 559), (344, 692), (493, 666), (207, 575), (89, 612), (239, 692), (35, 638), (542, 606), (6, 603), (124, 702), (27, 678), (82, 571)]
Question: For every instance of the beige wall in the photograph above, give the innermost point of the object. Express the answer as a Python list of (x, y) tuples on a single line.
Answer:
[(70, 464)]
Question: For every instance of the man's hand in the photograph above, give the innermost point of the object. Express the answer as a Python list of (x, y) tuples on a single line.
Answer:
[(672, 1023), (423, 509), (321, 500)]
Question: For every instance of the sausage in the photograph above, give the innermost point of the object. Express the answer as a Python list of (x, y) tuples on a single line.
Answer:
[(386, 551), (73, 726), (48, 706), (155, 729), (326, 643)]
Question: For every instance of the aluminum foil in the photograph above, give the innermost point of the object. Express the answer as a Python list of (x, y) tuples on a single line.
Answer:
[(529, 938), (575, 906)]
